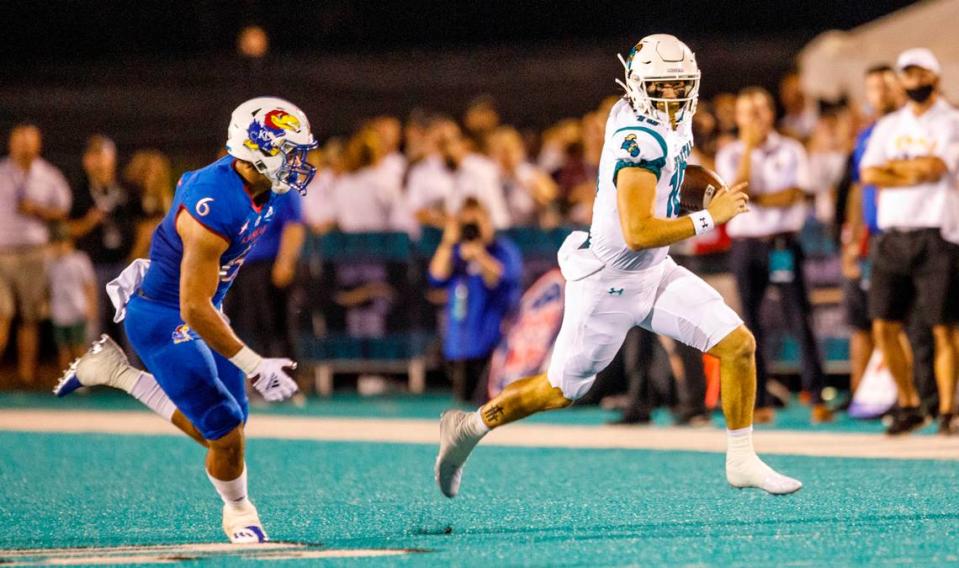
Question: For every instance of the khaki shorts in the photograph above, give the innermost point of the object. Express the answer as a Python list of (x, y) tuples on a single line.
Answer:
[(23, 284)]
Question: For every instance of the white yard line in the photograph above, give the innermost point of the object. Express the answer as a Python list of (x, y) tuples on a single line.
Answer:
[(409, 431)]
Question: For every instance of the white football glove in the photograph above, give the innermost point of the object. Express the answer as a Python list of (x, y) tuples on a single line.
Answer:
[(272, 380), (269, 376)]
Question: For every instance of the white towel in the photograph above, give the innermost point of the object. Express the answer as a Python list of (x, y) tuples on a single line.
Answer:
[(122, 288), (576, 262)]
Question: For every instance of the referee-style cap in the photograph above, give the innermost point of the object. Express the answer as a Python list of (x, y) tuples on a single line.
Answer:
[(918, 57)]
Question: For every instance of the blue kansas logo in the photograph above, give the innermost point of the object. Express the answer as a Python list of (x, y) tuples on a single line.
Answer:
[(630, 145)]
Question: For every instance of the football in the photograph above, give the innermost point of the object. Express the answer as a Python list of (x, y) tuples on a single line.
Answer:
[(699, 186)]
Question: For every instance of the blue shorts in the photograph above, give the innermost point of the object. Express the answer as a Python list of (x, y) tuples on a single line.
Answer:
[(208, 389)]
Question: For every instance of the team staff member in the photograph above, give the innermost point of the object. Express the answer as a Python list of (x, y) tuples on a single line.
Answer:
[(765, 249), (911, 158), (884, 95)]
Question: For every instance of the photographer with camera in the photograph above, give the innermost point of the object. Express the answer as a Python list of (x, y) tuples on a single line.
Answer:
[(481, 273)]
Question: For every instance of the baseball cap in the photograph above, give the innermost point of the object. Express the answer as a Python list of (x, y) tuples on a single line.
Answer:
[(918, 57)]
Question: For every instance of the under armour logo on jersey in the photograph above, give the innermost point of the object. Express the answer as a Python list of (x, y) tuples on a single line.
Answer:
[(616, 291)]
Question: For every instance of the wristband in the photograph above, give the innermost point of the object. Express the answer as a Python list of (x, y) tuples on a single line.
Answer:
[(247, 360), (702, 221)]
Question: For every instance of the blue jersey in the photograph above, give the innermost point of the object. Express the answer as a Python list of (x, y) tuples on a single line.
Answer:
[(870, 211), (216, 197)]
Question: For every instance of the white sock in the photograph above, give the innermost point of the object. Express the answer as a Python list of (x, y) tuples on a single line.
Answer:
[(232, 492), (739, 446), (477, 426), (146, 390), (127, 378), (745, 469)]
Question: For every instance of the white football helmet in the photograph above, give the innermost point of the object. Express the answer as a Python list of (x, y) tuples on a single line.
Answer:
[(273, 135), (661, 58)]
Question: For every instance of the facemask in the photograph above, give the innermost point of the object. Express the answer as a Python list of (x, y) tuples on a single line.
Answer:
[(920, 94)]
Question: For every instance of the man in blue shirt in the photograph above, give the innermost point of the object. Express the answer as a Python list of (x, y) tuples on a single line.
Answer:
[(481, 273), (172, 305), (884, 95), (258, 304)]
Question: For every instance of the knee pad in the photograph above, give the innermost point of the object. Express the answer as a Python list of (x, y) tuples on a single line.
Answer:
[(220, 420)]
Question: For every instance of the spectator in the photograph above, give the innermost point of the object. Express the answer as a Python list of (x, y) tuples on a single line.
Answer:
[(884, 95), (259, 304), (481, 274), (149, 176), (911, 158), (529, 191), (765, 248), (828, 150), (474, 175), (37, 194), (705, 133), (724, 108), (480, 120), (430, 182), (73, 296), (319, 200), (799, 114), (366, 197), (103, 221), (389, 131)]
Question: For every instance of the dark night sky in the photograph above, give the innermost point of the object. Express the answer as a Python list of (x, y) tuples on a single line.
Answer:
[(85, 30)]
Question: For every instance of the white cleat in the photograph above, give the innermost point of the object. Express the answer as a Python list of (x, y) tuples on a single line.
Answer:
[(755, 473), (104, 364), (457, 440), (243, 526)]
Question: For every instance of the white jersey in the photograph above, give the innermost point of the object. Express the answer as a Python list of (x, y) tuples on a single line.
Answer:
[(633, 141)]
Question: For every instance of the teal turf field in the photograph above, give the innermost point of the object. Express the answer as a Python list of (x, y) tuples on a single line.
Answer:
[(519, 506)]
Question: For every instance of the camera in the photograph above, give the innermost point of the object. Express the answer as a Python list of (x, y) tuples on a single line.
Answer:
[(469, 232)]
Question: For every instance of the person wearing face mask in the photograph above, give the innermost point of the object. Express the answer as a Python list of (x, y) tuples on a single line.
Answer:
[(481, 274), (911, 159), (765, 249)]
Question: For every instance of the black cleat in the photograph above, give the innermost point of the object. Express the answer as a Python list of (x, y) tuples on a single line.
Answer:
[(905, 421)]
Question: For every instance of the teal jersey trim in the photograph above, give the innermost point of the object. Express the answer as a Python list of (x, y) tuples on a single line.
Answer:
[(655, 166), (656, 136)]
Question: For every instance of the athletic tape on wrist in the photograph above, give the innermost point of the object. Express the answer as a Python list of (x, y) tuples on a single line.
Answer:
[(247, 360), (702, 221)]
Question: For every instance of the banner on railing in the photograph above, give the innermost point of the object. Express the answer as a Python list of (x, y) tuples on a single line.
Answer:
[(526, 347)]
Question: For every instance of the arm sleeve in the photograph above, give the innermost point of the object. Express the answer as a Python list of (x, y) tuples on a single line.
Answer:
[(638, 147)]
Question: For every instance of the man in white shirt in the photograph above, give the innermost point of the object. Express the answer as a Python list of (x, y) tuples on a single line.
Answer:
[(912, 159), (474, 175), (429, 182), (765, 247), (34, 193)]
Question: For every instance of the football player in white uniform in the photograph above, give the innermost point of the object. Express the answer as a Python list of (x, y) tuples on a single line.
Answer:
[(619, 275)]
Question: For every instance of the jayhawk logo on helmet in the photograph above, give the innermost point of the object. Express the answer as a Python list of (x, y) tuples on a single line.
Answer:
[(275, 124)]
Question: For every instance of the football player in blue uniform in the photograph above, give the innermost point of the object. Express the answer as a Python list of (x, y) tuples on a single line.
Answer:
[(198, 366)]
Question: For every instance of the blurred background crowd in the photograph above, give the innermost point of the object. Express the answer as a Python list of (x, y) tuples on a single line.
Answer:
[(407, 259)]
